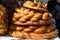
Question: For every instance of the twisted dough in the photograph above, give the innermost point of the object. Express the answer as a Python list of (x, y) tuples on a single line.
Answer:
[(34, 29), (16, 34), (18, 28), (51, 28), (36, 6), (33, 35), (46, 16), (34, 21), (30, 17), (3, 20), (40, 30)]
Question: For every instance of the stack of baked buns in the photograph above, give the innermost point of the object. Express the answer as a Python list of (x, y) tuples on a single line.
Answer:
[(3, 20), (32, 20)]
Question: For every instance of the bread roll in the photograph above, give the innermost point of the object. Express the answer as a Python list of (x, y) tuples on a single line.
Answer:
[(35, 36), (41, 30), (33, 27), (28, 30), (38, 15), (19, 28), (34, 19), (50, 28), (33, 5), (46, 16), (42, 22), (3, 20), (3, 31), (26, 35), (22, 20), (16, 34)]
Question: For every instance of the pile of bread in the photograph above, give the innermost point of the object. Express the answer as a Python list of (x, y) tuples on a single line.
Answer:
[(32, 20), (3, 20)]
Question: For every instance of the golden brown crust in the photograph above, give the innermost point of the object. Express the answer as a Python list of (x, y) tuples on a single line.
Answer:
[(3, 31), (50, 35), (23, 28), (16, 34), (3, 26), (33, 5), (54, 33), (28, 30), (26, 35), (46, 16), (19, 28), (40, 30), (50, 28), (23, 17), (33, 21), (33, 35), (30, 17), (33, 27), (3, 20), (45, 35), (42, 22), (2, 13)]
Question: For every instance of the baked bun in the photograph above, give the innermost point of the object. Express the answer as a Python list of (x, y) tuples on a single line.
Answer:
[(40, 30), (33, 5), (33, 31), (3, 31), (31, 17), (3, 20), (16, 34), (32, 20)]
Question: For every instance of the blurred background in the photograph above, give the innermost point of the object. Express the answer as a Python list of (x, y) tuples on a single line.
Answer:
[(41, 1)]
